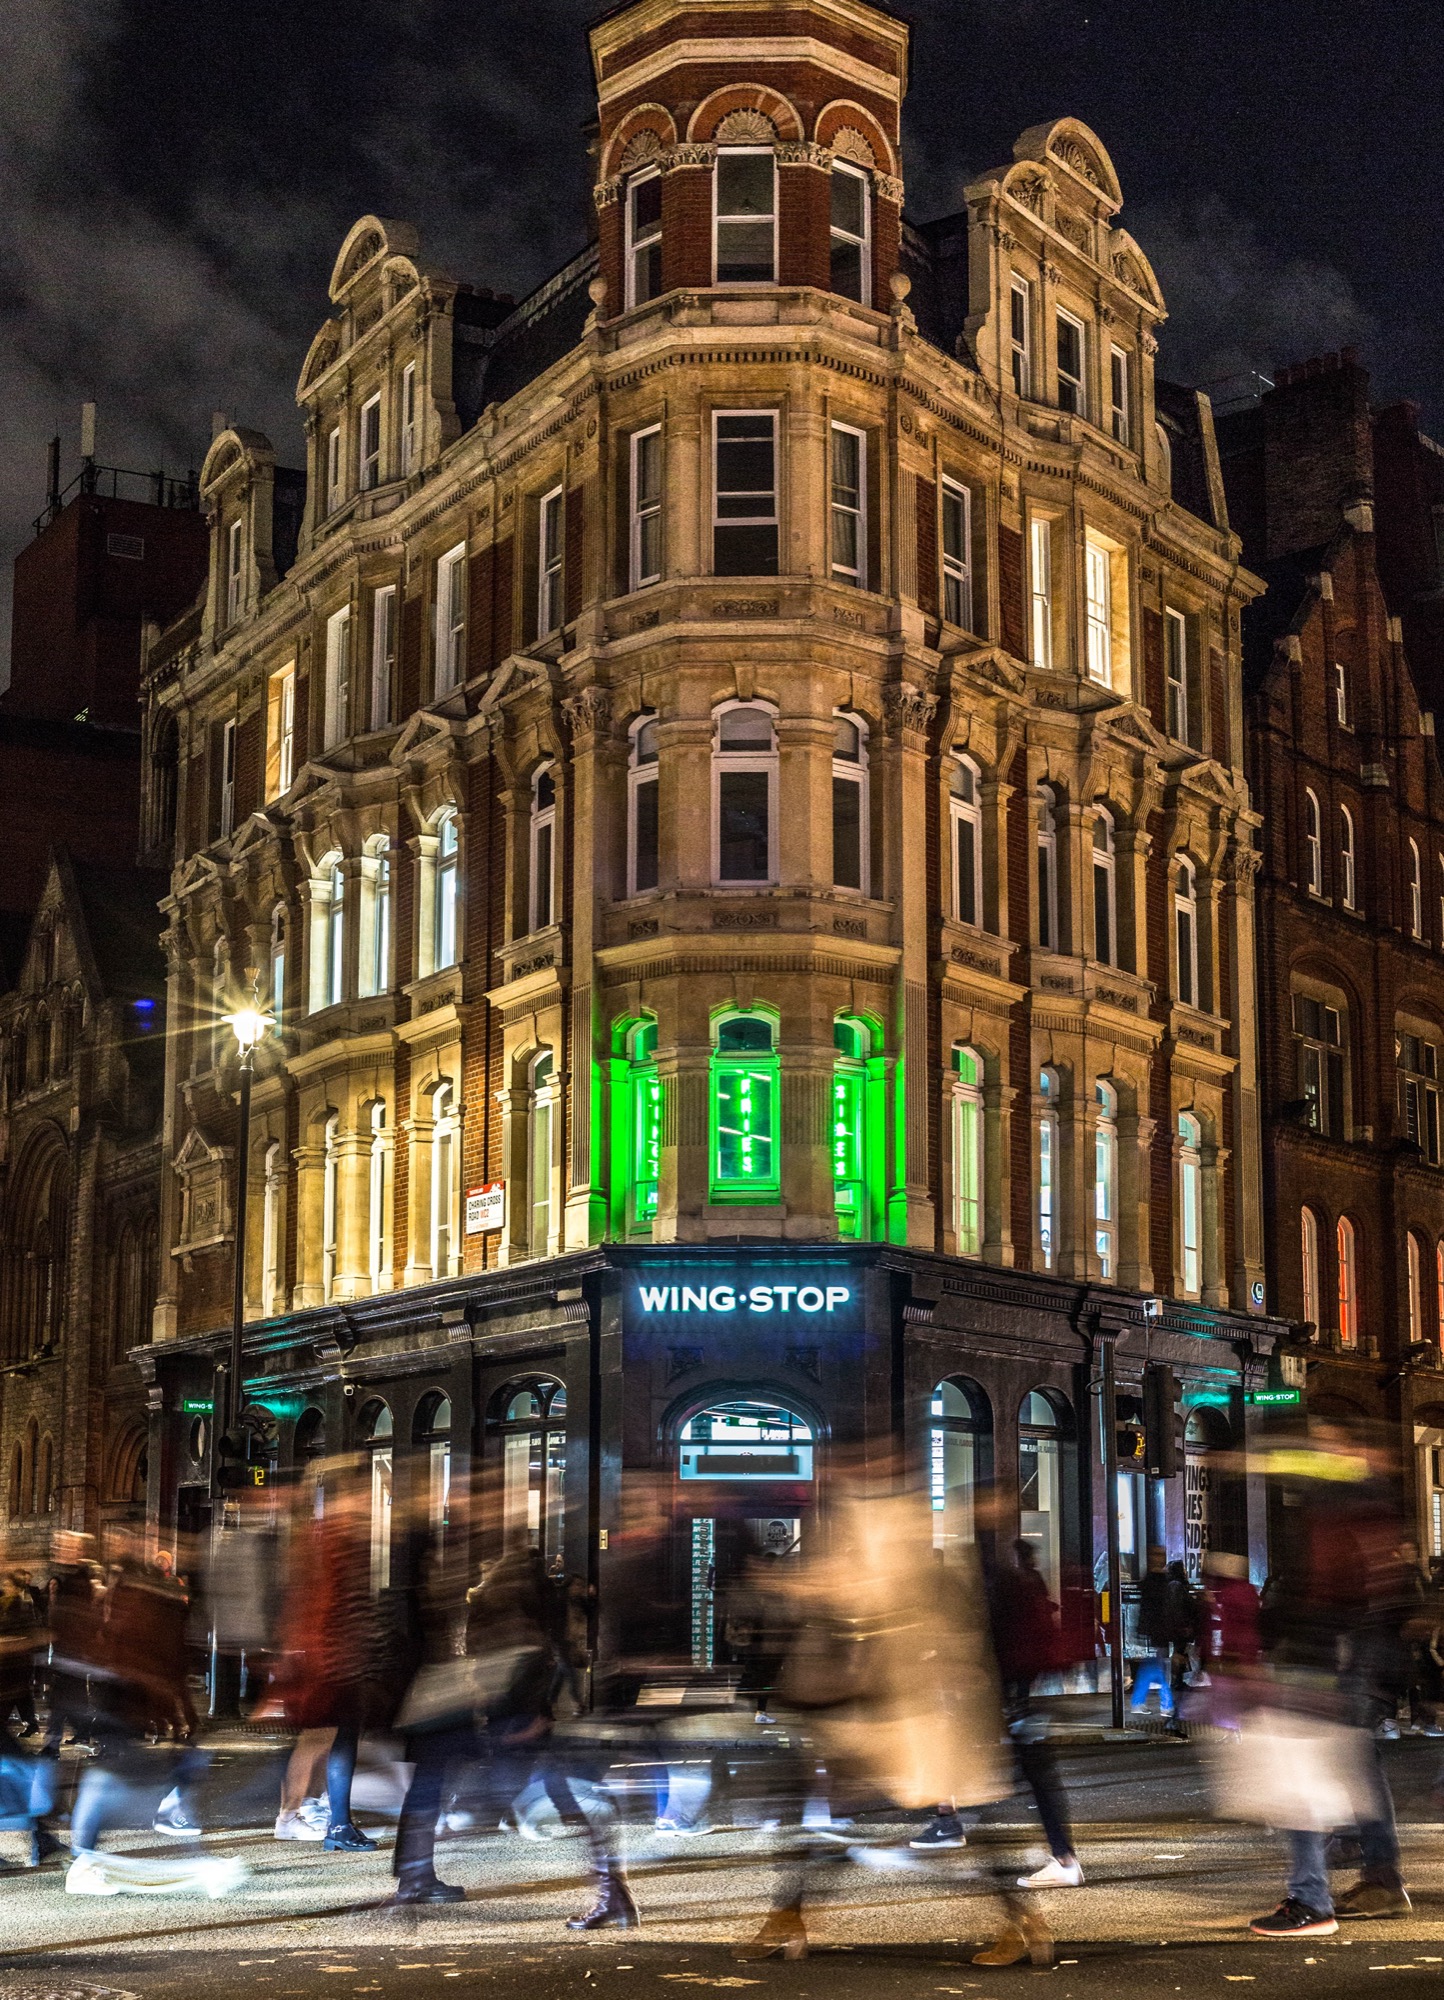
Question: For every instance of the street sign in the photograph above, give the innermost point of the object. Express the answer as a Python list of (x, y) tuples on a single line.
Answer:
[(485, 1207), (1273, 1399), (197, 1406)]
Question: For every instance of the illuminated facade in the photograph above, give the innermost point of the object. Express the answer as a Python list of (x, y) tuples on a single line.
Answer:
[(741, 772)]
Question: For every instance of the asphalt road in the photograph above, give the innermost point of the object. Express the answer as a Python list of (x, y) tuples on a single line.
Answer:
[(1168, 1895)]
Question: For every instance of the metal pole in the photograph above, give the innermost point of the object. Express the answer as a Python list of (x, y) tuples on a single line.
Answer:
[(234, 1395), (1110, 1501), (226, 1407)]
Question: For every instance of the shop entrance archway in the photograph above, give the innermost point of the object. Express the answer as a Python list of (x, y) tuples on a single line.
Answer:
[(746, 1472)]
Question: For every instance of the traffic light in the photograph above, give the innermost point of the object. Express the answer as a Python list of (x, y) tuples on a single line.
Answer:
[(1130, 1447), (245, 1454), (1160, 1421)]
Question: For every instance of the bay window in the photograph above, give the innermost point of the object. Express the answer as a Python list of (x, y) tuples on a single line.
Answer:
[(957, 554), (850, 232), (644, 237), (368, 442), (967, 1104), (849, 506), (645, 545), (1072, 389), (745, 243), (1105, 889), (744, 794), (850, 857), (965, 813), (642, 823), (744, 486), (744, 1107), (542, 848)]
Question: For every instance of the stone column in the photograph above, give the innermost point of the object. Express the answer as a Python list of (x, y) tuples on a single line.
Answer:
[(310, 1218), (910, 713), (353, 1202), (1131, 845), (1135, 1257), (584, 1218), (416, 1134)]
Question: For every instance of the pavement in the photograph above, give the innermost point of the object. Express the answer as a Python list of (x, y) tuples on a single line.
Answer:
[(1164, 1909)]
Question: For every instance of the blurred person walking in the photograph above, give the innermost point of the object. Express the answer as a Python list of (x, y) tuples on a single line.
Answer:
[(22, 1633)]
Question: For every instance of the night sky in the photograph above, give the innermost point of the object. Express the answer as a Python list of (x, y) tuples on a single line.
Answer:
[(176, 177)]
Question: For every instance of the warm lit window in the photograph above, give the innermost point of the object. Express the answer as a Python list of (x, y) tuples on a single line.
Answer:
[(1020, 335), (368, 445), (542, 848), (408, 420), (1105, 1180), (450, 619), (850, 856), (1313, 846), (1417, 1062), (333, 469), (551, 551), (744, 1109), (1180, 719), (338, 676), (1105, 889), (744, 795), (851, 1147), (383, 653), (642, 823), (744, 522), (1118, 394), (1072, 394), (336, 938), (1319, 1042), (278, 964), (851, 273), (235, 570), (849, 506), (957, 555), (646, 519), (1048, 936), (967, 1094), (1347, 877), (1098, 609), (1185, 934), (1416, 891), (376, 916), (644, 236), (1309, 1253), (228, 778), (445, 1148), (446, 897), (965, 811), (1040, 589), (1049, 1167), (280, 731), (1190, 1206), (541, 1121), (746, 216), (1348, 1283), (378, 1200)]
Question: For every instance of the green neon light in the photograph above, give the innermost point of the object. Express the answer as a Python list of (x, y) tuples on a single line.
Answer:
[(745, 1101), (1273, 1399), (197, 1406), (646, 1122), (848, 1125)]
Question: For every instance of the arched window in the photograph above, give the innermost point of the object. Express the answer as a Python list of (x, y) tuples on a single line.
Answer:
[(543, 838), (376, 915), (1313, 846), (1415, 1262), (378, 1433), (278, 965), (541, 1146), (445, 891), (1044, 1426), (745, 185), (1416, 1060), (744, 1109), (1190, 1205), (378, 1200), (644, 1124), (445, 1260), (1048, 1167), (853, 1166), (1321, 1047), (272, 1232), (644, 236), (1185, 934), (1105, 889), (958, 1436), (1309, 1254), (432, 1429), (642, 795), (32, 1452), (851, 232), (1348, 1283), (1416, 891), (967, 1093), (330, 1205), (965, 810), (1105, 1180), (529, 1424), (850, 857), (1048, 933), (744, 795), (1347, 880)]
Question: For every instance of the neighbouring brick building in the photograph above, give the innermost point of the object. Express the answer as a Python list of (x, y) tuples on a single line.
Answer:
[(738, 806), (1345, 772)]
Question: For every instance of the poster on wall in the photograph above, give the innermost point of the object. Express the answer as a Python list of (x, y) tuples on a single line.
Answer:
[(485, 1207), (1196, 1512)]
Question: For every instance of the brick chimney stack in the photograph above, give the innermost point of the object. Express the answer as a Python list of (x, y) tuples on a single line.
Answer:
[(1318, 451)]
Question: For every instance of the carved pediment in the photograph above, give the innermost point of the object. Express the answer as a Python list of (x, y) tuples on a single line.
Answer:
[(850, 144), (640, 149), (204, 1171), (423, 727), (514, 676), (746, 128)]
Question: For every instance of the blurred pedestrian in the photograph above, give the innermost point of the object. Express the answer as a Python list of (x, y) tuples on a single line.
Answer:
[(21, 1635), (1158, 1627)]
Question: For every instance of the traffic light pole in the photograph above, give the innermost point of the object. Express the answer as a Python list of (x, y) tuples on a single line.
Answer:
[(226, 1411), (1110, 1508), (234, 1396)]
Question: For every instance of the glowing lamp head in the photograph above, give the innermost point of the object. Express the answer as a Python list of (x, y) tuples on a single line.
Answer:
[(249, 1026)]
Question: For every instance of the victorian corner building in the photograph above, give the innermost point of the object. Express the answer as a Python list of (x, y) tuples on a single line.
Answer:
[(730, 776)]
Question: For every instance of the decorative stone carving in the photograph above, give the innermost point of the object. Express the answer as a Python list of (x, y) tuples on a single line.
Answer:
[(607, 193), (203, 1169), (1126, 271), (1029, 190), (691, 153), (888, 187), (802, 153), (850, 144), (1072, 155), (910, 708), (1147, 342), (587, 711), (642, 148), (1075, 229), (746, 128)]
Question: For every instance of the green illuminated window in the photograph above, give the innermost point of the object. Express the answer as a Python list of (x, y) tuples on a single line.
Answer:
[(967, 1151), (849, 1127), (645, 1092), (744, 1109)]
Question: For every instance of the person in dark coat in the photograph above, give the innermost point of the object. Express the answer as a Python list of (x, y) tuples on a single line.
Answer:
[(1157, 1624), (21, 1635)]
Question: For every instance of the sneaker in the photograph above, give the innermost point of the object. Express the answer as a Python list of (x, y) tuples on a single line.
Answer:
[(1294, 1919), (298, 1826), (1389, 1731), (317, 1811), (173, 1819), (942, 1830), (86, 1876), (1055, 1874), (1373, 1899)]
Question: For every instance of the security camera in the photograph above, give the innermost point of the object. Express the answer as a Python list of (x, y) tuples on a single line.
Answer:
[(349, 1390)]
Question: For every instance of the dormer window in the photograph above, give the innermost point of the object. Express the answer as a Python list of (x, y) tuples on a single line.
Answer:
[(235, 569), (1118, 394), (1020, 335), (1071, 393), (408, 419), (333, 469), (851, 233), (644, 237), (550, 551), (368, 466), (746, 216)]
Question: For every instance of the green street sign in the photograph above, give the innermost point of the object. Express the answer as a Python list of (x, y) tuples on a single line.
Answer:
[(1274, 1399), (196, 1406)]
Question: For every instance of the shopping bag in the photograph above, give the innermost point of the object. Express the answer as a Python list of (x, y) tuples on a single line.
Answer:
[(1290, 1770)]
